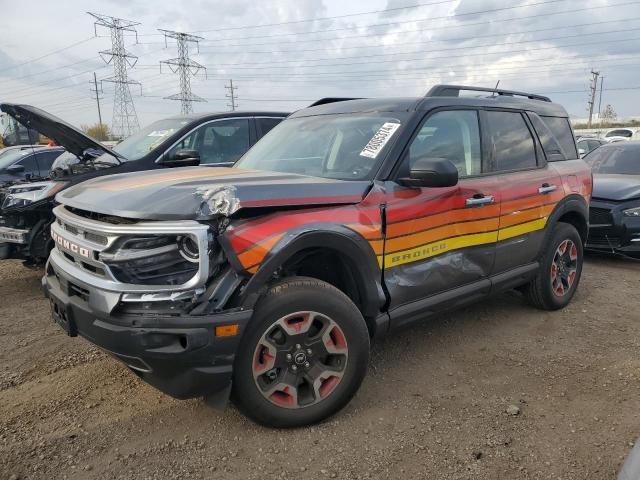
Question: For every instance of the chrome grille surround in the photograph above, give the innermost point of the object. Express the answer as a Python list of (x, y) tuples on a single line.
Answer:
[(84, 239)]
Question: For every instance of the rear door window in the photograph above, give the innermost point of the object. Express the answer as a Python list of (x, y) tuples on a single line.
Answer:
[(514, 147), (550, 144), (561, 130)]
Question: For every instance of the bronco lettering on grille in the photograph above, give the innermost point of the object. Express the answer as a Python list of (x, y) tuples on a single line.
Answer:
[(68, 245)]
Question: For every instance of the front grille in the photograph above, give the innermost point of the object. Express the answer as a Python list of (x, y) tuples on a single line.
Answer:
[(155, 260), (101, 217), (603, 239), (600, 216), (159, 256)]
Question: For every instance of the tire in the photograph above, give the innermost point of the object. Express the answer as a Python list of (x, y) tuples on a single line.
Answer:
[(560, 269), (306, 334)]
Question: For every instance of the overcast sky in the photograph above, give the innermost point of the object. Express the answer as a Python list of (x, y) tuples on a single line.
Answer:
[(284, 54)]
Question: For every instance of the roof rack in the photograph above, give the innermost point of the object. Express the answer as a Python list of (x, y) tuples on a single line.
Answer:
[(454, 91), (324, 101)]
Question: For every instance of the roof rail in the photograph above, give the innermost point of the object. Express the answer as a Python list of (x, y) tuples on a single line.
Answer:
[(324, 101), (454, 91)]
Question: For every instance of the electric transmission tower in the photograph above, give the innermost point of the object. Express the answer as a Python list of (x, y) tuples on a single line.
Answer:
[(125, 119), (184, 67), (232, 96)]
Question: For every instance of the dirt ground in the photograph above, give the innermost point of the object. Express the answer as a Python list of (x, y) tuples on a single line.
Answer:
[(434, 405)]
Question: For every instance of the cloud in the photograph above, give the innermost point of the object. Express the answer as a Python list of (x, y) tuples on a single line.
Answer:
[(547, 47)]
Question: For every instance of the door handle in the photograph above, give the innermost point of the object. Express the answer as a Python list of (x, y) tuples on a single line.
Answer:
[(546, 188), (478, 201)]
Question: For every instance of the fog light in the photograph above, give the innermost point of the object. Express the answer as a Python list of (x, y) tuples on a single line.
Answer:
[(188, 249)]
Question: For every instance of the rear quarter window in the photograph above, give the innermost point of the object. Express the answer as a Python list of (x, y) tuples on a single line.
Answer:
[(561, 130)]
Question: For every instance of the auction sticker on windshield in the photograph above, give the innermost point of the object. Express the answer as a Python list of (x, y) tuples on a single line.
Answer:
[(379, 140)]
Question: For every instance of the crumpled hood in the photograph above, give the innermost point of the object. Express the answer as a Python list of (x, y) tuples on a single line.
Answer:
[(616, 187), (65, 135), (200, 193)]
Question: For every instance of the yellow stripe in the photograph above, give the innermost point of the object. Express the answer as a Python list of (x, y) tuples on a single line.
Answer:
[(521, 229), (446, 245)]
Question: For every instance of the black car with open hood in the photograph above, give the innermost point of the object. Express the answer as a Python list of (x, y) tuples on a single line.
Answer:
[(206, 139), (614, 212)]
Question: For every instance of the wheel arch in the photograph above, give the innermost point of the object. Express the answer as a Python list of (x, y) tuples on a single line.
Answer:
[(574, 210), (353, 252)]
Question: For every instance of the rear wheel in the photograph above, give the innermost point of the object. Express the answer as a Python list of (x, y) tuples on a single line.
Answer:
[(303, 356), (560, 270)]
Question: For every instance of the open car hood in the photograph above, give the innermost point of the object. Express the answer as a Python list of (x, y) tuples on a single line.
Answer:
[(199, 193), (65, 135)]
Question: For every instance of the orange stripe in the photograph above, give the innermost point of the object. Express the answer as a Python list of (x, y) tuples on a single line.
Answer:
[(259, 251), (446, 231), (515, 218), (529, 202), (454, 216)]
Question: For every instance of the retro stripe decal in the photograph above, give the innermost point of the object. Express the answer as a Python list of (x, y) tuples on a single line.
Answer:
[(445, 245), (411, 234)]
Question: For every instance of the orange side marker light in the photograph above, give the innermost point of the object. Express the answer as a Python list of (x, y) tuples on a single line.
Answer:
[(227, 330)]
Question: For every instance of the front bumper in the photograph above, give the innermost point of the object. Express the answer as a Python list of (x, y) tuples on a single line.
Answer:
[(611, 231), (14, 235), (178, 354)]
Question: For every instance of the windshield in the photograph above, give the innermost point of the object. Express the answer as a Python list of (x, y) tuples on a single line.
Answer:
[(9, 157), (345, 147), (615, 159), (143, 141)]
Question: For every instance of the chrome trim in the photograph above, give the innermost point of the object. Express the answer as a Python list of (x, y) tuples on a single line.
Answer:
[(475, 202), (198, 231), (547, 189), (13, 235), (196, 128)]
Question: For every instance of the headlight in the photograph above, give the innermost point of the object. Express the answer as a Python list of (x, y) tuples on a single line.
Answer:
[(26, 193), (632, 212)]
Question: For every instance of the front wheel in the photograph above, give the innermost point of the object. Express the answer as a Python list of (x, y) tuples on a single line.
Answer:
[(560, 270), (303, 356)]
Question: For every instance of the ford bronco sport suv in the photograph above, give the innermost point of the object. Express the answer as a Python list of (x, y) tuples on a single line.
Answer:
[(350, 219), (26, 207)]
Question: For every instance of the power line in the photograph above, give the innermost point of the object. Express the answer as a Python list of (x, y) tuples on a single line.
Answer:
[(185, 67), (429, 19), (125, 119), (459, 39), (318, 19), (47, 54)]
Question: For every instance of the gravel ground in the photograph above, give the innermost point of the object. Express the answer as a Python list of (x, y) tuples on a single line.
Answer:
[(498, 390)]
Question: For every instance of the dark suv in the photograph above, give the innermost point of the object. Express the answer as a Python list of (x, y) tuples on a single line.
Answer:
[(348, 220), (26, 208)]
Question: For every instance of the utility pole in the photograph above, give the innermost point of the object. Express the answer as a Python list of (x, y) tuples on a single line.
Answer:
[(185, 67), (593, 86), (232, 95), (125, 119), (600, 100), (97, 92)]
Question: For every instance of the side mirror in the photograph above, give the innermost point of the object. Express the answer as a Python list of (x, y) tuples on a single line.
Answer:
[(431, 172), (582, 152), (15, 168), (182, 158)]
